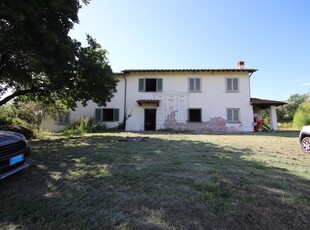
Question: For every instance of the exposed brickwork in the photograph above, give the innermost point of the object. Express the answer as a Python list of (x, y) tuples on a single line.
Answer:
[(216, 124)]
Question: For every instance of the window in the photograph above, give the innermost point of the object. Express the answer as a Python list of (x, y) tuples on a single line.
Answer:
[(232, 85), (63, 118), (194, 115), (233, 115), (150, 84), (107, 114), (194, 84)]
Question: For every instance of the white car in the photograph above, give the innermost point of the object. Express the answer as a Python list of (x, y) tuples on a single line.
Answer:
[(304, 139)]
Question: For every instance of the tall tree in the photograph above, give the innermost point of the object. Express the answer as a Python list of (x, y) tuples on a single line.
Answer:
[(39, 59), (286, 112)]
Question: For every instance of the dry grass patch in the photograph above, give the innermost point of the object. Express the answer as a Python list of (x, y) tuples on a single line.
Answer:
[(171, 181)]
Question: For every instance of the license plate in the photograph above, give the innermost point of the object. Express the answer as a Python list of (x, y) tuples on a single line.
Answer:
[(16, 159)]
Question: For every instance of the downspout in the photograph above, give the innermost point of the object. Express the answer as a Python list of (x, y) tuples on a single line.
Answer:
[(250, 84), (250, 97), (125, 101)]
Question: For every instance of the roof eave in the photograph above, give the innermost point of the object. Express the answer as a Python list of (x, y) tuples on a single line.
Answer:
[(128, 71)]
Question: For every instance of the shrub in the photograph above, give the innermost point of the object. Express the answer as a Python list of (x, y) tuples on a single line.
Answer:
[(18, 129), (302, 115), (83, 125), (285, 125), (8, 115)]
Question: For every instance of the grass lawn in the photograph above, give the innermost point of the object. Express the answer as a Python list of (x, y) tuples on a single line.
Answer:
[(170, 181)]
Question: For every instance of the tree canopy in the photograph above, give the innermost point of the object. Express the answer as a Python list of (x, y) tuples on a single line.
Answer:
[(40, 60), (286, 112)]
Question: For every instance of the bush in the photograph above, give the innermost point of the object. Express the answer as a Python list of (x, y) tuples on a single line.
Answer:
[(83, 125), (18, 129), (302, 115), (285, 125), (8, 115)]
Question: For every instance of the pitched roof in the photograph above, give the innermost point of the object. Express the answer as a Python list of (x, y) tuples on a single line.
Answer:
[(264, 103), (128, 71)]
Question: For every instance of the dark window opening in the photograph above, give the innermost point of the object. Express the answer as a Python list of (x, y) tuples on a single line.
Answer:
[(150, 85), (107, 114), (195, 115)]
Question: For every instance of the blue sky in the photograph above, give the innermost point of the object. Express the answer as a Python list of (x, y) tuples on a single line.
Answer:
[(272, 36)]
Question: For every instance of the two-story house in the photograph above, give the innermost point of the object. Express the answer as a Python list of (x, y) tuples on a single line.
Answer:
[(181, 99)]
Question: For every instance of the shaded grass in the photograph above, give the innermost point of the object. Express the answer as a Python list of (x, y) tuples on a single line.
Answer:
[(171, 181)]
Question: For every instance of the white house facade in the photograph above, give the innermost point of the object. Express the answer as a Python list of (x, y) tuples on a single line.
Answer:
[(180, 99)]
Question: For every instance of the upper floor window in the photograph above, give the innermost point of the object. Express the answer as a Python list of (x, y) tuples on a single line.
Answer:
[(63, 118), (194, 85), (233, 115), (150, 84), (194, 115), (107, 114), (232, 85)]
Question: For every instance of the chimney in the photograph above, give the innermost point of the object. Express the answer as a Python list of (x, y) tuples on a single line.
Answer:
[(240, 65)]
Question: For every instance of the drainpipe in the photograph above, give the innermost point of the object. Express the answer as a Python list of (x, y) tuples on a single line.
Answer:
[(250, 97), (125, 101), (250, 83)]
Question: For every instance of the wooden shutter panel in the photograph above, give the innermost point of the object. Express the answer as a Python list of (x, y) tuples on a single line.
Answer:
[(116, 115), (236, 115), (191, 85), (229, 84), (141, 84), (98, 115), (159, 85), (197, 84), (66, 118), (229, 115), (235, 84)]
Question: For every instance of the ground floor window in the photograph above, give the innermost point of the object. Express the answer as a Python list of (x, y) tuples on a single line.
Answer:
[(233, 115), (63, 118), (194, 115), (107, 114)]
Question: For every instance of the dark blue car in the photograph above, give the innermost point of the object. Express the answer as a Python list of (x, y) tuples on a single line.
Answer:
[(14, 153)]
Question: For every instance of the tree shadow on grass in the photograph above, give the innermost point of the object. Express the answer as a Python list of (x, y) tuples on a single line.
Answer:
[(98, 182)]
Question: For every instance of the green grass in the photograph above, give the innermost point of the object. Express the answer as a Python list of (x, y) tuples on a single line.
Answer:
[(170, 181)]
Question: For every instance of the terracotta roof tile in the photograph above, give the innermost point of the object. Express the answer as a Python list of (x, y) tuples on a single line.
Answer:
[(128, 71), (147, 101), (265, 103)]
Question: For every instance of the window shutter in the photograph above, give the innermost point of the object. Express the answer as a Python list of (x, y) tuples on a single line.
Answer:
[(229, 84), (98, 115), (191, 85), (197, 84), (159, 85), (116, 115), (141, 84), (59, 118), (229, 115), (236, 115), (66, 118), (235, 84)]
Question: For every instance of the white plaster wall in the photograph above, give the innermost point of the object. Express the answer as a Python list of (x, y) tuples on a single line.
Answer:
[(51, 125), (175, 97), (213, 99), (89, 111)]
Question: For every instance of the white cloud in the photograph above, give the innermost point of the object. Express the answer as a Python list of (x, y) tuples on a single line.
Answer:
[(306, 84)]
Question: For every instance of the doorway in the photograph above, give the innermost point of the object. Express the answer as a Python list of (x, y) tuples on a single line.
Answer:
[(149, 119)]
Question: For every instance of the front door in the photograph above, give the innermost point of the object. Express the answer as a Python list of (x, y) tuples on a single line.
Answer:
[(149, 119)]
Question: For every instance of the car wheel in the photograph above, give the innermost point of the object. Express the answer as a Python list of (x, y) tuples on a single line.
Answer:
[(305, 144)]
